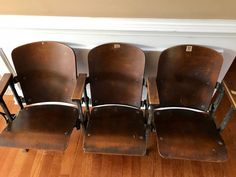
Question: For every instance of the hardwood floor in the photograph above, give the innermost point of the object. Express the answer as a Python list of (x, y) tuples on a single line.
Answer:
[(75, 163)]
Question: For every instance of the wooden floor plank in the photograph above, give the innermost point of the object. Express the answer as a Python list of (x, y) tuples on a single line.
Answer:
[(69, 156), (75, 163), (17, 164), (8, 162), (37, 164), (27, 166)]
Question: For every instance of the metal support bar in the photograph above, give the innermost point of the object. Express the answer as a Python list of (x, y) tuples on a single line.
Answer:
[(150, 119), (216, 103), (15, 79), (226, 119), (6, 110), (86, 99), (81, 116), (4, 116), (145, 104), (144, 82), (150, 115), (218, 84), (18, 99)]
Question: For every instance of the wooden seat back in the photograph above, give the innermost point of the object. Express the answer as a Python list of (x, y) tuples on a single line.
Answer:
[(187, 75), (46, 71), (116, 74)]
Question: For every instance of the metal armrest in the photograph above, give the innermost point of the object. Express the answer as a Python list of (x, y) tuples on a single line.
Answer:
[(77, 97), (231, 94), (219, 94), (79, 87), (5, 82), (152, 92)]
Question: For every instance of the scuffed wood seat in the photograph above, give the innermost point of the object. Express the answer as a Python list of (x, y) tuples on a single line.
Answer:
[(184, 134), (40, 127), (116, 124), (46, 72), (185, 82), (116, 130)]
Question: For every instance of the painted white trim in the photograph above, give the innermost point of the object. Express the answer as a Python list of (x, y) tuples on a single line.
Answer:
[(117, 24)]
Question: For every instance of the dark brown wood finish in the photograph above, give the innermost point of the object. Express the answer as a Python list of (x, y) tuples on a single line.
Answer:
[(152, 92), (116, 74), (116, 130), (184, 134), (4, 83), (229, 83), (40, 127), (187, 76), (46, 71), (75, 163), (116, 77), (79, 87)]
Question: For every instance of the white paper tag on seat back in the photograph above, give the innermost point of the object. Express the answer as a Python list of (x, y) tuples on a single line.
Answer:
[(116, 46), (189, 48)]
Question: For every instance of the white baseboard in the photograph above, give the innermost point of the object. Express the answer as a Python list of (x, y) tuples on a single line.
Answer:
[(88, 24)]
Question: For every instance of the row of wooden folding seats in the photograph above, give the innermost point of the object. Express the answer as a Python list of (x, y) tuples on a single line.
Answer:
[(178, 105)]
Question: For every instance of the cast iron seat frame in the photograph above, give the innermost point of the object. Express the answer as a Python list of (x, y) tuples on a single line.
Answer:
[(228, 88)]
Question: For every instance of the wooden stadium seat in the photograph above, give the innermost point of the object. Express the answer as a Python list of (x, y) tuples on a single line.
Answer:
[(46, 72), (180, 96), (116, 124)]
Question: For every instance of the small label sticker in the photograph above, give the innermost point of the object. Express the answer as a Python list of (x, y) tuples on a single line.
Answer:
[(233, 92), (189, 48), (116, 46)]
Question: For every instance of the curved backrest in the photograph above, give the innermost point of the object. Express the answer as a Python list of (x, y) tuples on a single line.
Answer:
[(187, 75), (116, 74), (46, 71)]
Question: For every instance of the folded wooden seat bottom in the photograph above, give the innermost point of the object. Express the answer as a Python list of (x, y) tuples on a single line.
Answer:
[(40, 127), (184, 134), (116, 130)]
